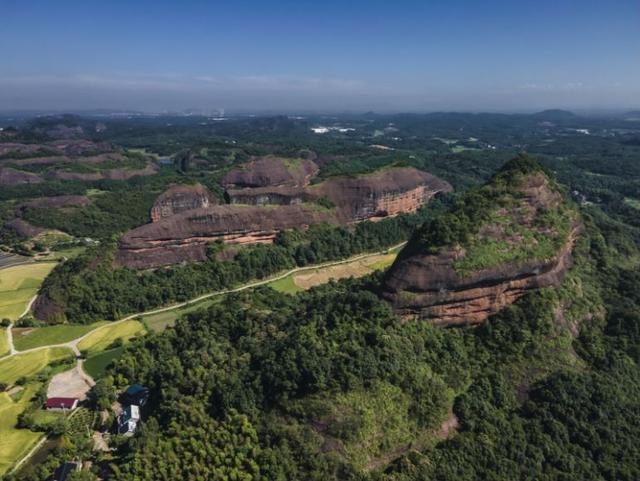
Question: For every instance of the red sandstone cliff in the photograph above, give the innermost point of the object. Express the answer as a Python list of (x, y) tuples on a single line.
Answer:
[(183, 237), (181, 198), (271, 171), (430, 285)]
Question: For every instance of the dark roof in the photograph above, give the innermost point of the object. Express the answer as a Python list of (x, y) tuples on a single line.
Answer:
[(64, 470), (135, 389), (61, 402)]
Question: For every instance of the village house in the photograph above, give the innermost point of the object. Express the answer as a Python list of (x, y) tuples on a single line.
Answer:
[(61, 403), (128, 420)]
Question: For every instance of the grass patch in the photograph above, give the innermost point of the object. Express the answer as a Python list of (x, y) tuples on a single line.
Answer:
[(44, 336), (15, 443), (286, 285), (635, 203), (97, 364), (4, 342), (18, 285), (29, 364), (160, 321), (104, 337)]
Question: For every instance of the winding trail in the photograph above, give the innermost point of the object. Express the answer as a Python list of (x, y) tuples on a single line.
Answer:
[(73, 345)]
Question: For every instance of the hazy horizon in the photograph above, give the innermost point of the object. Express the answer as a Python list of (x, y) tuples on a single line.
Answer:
[(300, 56)]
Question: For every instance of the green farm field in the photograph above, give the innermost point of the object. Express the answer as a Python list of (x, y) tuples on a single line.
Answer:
[(18, 285), (104, 337), (45, 336), (96, 364), (28, 364), (160, 321), (15, 443)]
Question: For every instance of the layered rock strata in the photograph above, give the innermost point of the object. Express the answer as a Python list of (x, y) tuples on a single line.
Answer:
[(449, 287), (183, 237), (181, 198)]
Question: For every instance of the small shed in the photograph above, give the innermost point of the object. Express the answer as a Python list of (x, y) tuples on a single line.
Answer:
[(136, 394), (62, 403)]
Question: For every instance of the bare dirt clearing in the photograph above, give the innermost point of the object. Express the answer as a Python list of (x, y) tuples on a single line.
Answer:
[(72, 383)]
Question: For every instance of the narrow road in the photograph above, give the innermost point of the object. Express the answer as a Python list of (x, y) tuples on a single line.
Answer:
[(73, 345), (12, 347)]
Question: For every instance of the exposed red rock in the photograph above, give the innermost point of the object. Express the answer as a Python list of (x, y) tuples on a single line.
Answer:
[(271, 171), (183, 237), (23, 228), (180, 198), (279, 195), (112, 174), (387, 192), (9, 176), (426, 285)]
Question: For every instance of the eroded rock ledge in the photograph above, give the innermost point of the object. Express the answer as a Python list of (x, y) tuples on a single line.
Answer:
[(517, 234), (428, 287)]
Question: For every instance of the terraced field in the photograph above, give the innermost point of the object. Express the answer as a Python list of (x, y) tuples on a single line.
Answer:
[(18, 284)]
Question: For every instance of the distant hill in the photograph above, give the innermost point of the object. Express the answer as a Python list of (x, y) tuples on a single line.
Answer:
[(555, 115)]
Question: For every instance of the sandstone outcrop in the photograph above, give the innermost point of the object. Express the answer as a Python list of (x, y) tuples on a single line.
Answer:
[(181, 198), (448, 288), (265, 196), (183, 237), (9, 176), (388, 192), (271, 171)]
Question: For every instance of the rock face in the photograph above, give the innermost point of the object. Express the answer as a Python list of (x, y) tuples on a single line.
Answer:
[(381, 194), (183, 237), (9, 176), (430, 285), (181, 198), (271, 171), (184, 219)]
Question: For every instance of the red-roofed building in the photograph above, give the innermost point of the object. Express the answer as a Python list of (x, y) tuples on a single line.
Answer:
[(62, 403)]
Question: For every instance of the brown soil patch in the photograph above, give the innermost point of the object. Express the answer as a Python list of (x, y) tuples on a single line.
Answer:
[(68, 384), (356, 269)]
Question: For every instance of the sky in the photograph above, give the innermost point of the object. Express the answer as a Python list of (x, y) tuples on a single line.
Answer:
[(323, 56)]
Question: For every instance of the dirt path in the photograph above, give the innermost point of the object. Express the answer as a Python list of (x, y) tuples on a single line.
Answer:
[(73, 345)]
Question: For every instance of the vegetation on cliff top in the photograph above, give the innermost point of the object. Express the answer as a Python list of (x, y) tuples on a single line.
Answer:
[(496, 224)]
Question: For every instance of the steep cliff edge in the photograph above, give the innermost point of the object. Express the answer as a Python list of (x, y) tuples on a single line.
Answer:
[(513, 234), (181, 198)]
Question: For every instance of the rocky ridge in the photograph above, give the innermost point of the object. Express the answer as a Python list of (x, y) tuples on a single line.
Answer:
[(524, 243)]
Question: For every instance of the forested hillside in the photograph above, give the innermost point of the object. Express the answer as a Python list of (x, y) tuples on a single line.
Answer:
[(329, 384)]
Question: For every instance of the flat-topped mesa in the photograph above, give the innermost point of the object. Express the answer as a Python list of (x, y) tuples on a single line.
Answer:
[(519, 236), (385, 193), (180, 198), (271, 171), (184, 237), (278, 195)]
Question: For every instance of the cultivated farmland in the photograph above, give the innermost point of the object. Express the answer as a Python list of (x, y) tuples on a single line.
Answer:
[(18, 284), (104, 337)]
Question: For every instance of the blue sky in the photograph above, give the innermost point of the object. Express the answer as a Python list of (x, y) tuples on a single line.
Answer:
[(320, 55)]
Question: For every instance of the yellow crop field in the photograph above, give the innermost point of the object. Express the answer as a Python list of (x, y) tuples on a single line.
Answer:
[(30, 363), (18, 284), (15, 443), (102, 338)]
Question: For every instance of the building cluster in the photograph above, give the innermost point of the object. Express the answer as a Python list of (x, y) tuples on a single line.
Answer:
[(134, 398)]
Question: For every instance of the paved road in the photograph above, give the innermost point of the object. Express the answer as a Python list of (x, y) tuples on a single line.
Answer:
[(73, 345)]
